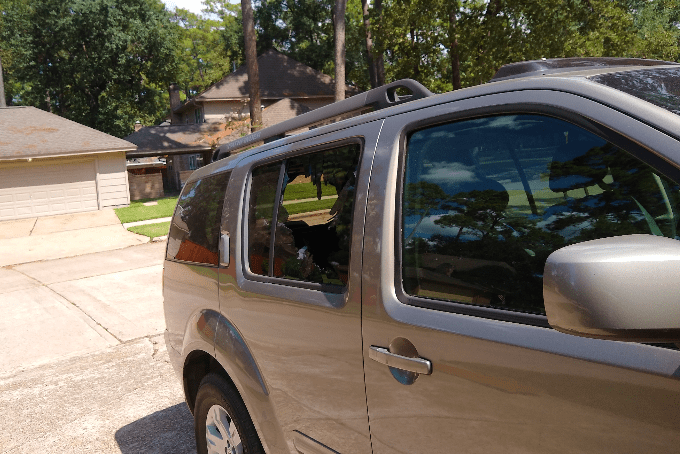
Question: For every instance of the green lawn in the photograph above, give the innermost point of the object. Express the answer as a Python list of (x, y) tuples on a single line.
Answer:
[(138, 212), (306, 191), (152, 230), (314, 205)]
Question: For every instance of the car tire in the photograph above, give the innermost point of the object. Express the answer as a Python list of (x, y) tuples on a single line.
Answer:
[(221, 420)]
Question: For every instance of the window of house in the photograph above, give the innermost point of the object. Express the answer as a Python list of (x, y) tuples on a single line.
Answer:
[(312, 199), (197, 116), (193, 162), (485, 201), (195, 226)]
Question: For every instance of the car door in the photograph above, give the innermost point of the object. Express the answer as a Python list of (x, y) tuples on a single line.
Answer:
[(464, 207), (292, 296)]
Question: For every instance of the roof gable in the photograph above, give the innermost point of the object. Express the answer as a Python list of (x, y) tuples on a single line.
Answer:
[(280, 77), (28, 132)]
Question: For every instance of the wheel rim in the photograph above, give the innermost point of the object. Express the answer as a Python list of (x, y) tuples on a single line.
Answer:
[(221, 433)]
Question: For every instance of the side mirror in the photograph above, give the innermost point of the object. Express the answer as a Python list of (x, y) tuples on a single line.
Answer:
[(622, 288)]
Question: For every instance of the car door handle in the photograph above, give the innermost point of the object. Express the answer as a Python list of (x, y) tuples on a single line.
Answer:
[(384, 356)]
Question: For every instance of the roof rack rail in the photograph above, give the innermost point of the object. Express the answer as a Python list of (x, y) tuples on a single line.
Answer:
[(375, 99), (560, 65)]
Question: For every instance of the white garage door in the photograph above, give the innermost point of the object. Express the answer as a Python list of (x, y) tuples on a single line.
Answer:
[(31, 189)]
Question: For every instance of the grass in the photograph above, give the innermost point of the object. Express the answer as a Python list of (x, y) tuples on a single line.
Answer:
[(152, 230), (314, 205), (307, 191), (138, 212)]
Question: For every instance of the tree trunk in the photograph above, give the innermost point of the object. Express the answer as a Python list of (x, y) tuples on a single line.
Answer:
[(339, 25), (2, 87), (372, 70), (453, 48), (378, 59), (251, 64)]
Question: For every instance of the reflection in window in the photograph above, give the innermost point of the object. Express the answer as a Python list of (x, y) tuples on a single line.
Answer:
[(313, 218), (485, 202), (262, 197), (660, 86), (195, 227)]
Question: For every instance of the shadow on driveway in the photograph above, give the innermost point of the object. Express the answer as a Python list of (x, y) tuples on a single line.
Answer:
[(167, 431)]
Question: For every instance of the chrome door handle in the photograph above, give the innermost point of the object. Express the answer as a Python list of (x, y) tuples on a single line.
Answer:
[(224, 250), (384, 356)]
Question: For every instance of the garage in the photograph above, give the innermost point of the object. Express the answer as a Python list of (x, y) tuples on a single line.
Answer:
[(50, 165)]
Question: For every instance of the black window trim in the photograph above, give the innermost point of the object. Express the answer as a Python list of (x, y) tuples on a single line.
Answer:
[(282, 158), (576, 118), (224, 198)]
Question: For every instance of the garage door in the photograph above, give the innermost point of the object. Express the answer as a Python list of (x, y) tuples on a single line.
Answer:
[(31, 189)]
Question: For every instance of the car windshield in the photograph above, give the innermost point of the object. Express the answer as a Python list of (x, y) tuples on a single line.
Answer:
[(660, 86)]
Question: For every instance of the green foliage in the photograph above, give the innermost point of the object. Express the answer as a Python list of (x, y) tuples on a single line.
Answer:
[(416, 36), (137, 211), (202, 54), (101, 63)]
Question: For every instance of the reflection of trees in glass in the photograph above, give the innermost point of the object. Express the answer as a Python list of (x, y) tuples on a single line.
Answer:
[(260, 213), (487, 255), (200, 207)]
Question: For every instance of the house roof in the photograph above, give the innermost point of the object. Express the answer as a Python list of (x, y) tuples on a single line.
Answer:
[(197, 138), (174, 139), (280, 77), (28, 132)]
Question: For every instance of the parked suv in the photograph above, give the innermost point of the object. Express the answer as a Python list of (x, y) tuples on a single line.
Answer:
[(495, 269)]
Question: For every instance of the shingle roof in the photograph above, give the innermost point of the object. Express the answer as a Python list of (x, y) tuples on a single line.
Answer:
[(175, 138), (280, 77), (28, 132)]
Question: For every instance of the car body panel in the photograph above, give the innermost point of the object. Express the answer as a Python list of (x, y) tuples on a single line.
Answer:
[(307, 343), (498, 385)]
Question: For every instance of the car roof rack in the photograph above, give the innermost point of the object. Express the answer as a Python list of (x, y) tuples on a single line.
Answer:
[(372, 100), (560, 65)]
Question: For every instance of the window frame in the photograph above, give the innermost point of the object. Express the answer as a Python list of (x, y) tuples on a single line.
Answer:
[(605, 132), (282, 158), (221, 219)]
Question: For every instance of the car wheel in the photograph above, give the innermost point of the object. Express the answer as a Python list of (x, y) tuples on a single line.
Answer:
[(221, 420)]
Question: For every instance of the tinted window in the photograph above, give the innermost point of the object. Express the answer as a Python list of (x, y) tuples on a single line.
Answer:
[(658, 86), (313, 217), (485, 202), (262, 198), (195, 227)]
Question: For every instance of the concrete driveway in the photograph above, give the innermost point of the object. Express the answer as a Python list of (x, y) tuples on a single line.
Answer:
[(83, 365)]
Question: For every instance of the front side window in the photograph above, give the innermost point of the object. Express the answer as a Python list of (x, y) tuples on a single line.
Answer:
[(195, 226), (485, 201), (311, 197)]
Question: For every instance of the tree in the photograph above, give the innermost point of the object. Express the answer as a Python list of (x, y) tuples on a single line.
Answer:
[(376, 64), (2, 87), (203, 58), (339, 28), (101, 63), (251, 63)]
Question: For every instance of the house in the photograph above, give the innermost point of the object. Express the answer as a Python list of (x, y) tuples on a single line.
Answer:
[(190, 146), (281, 77), (50, 165), (220, 114)]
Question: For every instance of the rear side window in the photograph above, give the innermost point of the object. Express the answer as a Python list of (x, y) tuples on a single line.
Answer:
[(485, 201), (195, 227), (311, 198)]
